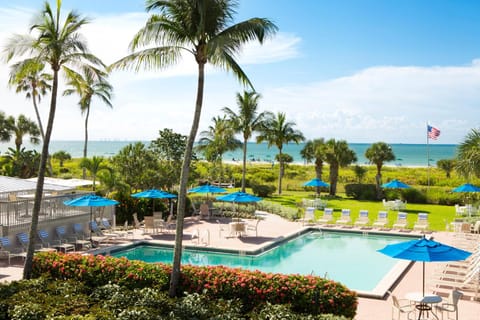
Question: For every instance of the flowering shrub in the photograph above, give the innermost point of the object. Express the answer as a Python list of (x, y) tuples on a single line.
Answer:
[(305, 294)]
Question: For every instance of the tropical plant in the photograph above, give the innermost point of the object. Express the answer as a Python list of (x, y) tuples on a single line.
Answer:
[(21, 127), (93, 165), (6, 127), (62, 156), (56, 43), (90, 83), (204, 29), (277, 131), (360, 172), (314, 151), (21, 163), (337, 154), (29, 76), (246, 122), (379, 153), (447, 165), (218, 139), (468, 156)]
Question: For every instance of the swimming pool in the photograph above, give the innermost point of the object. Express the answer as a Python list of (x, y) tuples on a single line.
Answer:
[(346, 257)]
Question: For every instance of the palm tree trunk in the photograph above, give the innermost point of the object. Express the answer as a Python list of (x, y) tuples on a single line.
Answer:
[(39, 120), (280, 173), (84, 170), (177, 254), (27, 270), (378, 180), (333, 179), (244, 168), (318, 171)]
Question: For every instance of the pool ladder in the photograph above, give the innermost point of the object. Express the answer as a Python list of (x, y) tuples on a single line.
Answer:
[(203, 237)]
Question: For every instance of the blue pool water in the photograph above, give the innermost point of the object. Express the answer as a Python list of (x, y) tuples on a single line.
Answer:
[(349, 258)]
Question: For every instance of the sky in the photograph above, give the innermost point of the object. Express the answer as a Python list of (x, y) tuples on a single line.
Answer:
[(361, 71)]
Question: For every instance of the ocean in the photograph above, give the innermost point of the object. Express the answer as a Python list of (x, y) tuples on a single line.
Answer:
[(410, 155)]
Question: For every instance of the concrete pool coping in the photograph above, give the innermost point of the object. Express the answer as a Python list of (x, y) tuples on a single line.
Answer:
[(388, 281)]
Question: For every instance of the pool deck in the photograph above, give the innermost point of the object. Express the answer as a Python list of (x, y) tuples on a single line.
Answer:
[(208, 233)]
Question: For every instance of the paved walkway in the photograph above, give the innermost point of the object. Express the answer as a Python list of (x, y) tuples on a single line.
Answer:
[(213, 233)]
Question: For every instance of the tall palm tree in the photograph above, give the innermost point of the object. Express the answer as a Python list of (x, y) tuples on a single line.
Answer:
[(338, 154), (204, 29), (21, 127), (379, 153), (468, 155), (314, 151), (277, 131), (88, 84), (246, 122), (56, 43), (29, 76)]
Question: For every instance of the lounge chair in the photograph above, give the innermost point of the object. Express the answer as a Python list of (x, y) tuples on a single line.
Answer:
[(100, 233), (24, 240), (401, 222), (80, 244), (253, 227), (382, 219), (109, 228), (422, 222), (43, 235), (327, 216), (308, 215), (204, 211), (451, 305), (8, 251), (362, 220), (345, 217)]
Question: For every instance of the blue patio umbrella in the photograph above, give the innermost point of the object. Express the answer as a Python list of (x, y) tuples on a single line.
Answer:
[(155, 194), (425, 250), (467, 187), (207, 188), (239, 197), (315, 182), (395, 184), (90, 200)]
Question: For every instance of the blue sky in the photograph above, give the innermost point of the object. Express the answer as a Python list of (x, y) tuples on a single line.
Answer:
[(363, 71)]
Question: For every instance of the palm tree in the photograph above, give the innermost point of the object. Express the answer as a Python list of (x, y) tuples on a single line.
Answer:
[(468, 155), (314, 150), (277, 131), (246, 122), (6, 127), (91, 83), (338, 154), (62, 156), (21, 127), (379, 153), (28, 76), (447, 165), (204, 29), (93, 166), (56, 44)]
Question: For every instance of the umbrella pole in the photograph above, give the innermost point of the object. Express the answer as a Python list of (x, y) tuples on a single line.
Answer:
[(423, 283), (91, 219)]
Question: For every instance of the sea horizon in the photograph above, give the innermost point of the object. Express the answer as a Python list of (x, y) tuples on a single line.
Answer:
[(407, 154)]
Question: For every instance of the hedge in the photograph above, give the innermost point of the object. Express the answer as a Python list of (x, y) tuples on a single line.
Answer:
[(305, 294)]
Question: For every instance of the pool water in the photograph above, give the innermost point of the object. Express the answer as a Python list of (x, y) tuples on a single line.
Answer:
[(349, 258)]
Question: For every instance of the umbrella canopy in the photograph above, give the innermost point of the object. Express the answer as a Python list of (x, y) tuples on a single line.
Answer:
[(90, 200), (239, 197), (395, 184), (315, 183), (154, 194), (467, 187), (206, 188), (424, 250)]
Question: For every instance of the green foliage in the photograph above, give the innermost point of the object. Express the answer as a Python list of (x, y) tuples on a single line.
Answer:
[(112, 280), (361, 191), (262, 190)]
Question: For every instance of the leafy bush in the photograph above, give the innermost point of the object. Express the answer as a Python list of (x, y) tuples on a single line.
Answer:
[(262, 190), (305, 294), (361, 191)]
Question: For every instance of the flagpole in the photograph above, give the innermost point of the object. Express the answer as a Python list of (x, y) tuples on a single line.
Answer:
[(428, 161)]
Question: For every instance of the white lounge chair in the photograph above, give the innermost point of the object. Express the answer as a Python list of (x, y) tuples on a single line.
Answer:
[(8, 251), (401, 222), (422, 222), (362, 218), (382, 219), (327, 216), (308, 215), (345, 217)]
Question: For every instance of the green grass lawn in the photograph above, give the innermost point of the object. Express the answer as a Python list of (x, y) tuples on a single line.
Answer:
[(439, 216)]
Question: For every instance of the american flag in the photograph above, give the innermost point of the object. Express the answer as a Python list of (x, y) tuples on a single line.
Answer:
[(432, 132)]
